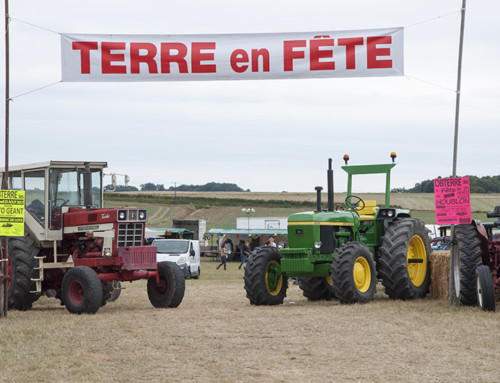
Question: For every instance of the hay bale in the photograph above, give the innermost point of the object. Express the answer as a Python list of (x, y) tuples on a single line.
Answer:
[(440, 274)]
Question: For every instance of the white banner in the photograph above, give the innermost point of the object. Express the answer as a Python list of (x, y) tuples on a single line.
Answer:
[(361, 53)]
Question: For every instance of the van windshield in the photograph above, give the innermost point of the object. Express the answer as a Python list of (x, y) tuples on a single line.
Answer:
[(171, 246)]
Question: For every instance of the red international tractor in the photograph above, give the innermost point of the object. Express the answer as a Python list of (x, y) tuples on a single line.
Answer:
[(76, 250), (476, 262)]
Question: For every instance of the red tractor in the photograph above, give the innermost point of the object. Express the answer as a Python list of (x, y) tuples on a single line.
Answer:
[(476, 262), (76, 250)]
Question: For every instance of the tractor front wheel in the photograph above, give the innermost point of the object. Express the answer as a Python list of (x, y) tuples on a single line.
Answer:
[(354, 274), (317, 288), (82, 290), (404, 262), (467, 256), (265, 284), (485, 289), (169, 292)]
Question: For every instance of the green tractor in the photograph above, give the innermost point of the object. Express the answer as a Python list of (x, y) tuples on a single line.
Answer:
[(338, 253)]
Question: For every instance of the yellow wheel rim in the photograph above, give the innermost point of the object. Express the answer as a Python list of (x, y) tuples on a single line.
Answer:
[(416, 251), (329, 280), (274, 279), (362, 274)]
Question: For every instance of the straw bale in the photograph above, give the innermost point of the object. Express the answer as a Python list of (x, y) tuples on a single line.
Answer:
[(440, 274)]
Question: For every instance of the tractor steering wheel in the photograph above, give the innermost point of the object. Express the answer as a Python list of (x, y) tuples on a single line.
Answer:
[(54, 202), (357, 204)]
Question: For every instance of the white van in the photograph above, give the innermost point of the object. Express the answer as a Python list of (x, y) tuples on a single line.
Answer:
[(184, 252)]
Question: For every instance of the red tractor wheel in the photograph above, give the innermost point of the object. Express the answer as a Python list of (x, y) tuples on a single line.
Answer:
[(169, 292), (82, 290)]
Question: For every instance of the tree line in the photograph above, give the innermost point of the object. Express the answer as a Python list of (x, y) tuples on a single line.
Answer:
[(208, 187), (487, 184)]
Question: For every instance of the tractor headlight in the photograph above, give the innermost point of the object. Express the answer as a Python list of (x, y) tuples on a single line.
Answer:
[(181, 260), (142, 215), (107, 252), (318, 244), (122, 215), (281, 245)]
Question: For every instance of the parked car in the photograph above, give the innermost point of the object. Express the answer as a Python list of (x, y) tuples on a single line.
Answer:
[(183, 252)]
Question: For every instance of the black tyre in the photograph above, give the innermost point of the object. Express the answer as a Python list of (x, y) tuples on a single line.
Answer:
[(22, 262), (466, 258), (197, 276), (404, 264), (354, 274), (317, 288), (111, 290), (81, 290), (115, 292), (180, 285), (485, 289), (265, 284), (170, 291)]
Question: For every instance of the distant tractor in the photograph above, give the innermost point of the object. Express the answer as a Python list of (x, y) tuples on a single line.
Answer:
[(476, 262), (338, 253), (76, 250)]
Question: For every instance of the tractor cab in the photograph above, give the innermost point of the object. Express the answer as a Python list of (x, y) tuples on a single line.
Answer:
[(52, 189)]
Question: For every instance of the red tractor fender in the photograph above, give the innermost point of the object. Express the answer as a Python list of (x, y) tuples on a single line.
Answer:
[(483, 235)]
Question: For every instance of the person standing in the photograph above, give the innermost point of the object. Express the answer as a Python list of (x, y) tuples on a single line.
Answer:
[(228, 245), (223, 258), (245, 252), (271, 240)]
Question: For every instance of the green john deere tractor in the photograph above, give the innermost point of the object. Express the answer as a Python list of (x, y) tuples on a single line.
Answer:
[(338, 253)]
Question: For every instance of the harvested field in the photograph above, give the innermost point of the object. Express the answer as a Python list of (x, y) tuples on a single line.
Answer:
[(215, 335)]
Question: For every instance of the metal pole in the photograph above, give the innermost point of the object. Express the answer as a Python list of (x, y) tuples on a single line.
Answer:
[(5, 183), (451, 290), (459, 80)]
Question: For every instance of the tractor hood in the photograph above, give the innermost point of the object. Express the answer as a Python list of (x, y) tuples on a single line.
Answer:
[(306, 228)]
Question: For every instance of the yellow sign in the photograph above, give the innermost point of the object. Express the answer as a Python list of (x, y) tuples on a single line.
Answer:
[(12, 213)]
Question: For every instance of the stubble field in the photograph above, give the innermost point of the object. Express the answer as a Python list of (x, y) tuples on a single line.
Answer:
[(215, 335)]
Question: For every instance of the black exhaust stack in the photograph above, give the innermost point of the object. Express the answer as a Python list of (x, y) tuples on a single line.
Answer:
[(87, 186), (318, 197), (330, 185)]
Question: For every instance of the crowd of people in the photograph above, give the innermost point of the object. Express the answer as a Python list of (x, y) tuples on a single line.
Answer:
[(229, 252)]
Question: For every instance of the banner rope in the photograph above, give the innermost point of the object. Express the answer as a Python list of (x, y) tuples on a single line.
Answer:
[(408, 77), (434, 18), (34, 90), (33, 25)]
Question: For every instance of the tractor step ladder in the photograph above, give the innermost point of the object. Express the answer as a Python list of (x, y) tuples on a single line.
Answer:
[(38, 281)]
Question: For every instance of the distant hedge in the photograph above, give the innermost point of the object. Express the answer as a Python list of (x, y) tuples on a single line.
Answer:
[(202, 202)]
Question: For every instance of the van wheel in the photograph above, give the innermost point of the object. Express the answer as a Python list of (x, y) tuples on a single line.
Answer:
[(197, 276)]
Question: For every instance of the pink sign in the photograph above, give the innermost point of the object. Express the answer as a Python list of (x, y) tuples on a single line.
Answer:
[(452, 200)]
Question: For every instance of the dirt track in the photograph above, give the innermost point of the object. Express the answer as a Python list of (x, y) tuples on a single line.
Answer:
[(215, 335)]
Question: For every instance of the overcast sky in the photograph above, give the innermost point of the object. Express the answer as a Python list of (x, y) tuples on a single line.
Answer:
[(270, 135)]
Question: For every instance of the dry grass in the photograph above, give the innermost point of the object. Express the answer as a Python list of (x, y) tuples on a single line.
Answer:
[(215, 335)]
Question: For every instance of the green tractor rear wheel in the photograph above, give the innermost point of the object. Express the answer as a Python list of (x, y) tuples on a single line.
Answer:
[(317, 288), (265, 284), (404, 262), (354, 274)]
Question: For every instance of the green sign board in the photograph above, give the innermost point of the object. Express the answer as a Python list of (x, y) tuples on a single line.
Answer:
[(12, 213)]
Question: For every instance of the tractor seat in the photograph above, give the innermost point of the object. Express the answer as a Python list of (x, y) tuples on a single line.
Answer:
[(369, 211)]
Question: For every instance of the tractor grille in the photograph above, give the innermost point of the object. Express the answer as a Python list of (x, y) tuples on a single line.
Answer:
[(130, 234)]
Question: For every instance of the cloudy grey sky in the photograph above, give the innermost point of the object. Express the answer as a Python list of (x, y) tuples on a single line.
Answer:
[(268, 135)]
